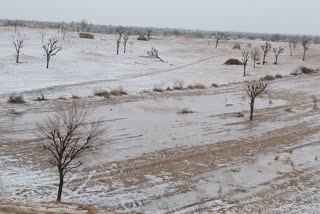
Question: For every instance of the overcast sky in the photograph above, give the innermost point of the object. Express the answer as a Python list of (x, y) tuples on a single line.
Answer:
[(270, 16)]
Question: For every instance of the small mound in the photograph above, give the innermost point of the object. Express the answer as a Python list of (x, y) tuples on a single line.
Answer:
[(233, 62)]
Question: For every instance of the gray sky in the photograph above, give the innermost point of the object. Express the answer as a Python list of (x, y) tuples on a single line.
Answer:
[(270, 16)]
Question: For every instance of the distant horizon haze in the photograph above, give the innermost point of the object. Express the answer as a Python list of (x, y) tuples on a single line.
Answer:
[(272, 16)]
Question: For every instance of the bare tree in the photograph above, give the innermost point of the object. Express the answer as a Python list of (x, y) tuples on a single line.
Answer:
[(265, 48), (125, 40), (306, 45), (148, 31), (118, 41), (121, 30), (154, 54), (255, 55), (14, 23), (277, 52), (42, 36), (253, 91), (63, 31), (218, 37), (291, 48), (18, 44), (67, 136), (51, 49), (83, 25), (245, 55)]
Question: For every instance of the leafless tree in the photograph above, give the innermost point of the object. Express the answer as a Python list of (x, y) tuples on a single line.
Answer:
[(125, 40), (51, 49), (265, 48), (255, 55), (83, 25), (306, 45), (277, 52), (148, 31), (154, 54), (42, 36), (67, 135), (121, 30), (18, 44), (14, 23), (253, 91), (63, 31), (245, 55), (118, 41), (218, 37), (291, 48)]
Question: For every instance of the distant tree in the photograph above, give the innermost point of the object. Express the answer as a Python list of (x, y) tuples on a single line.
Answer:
[(148, 31), (154, 54), (51, 49), (291, 47), (277, 52), (306, 45), (42, 36), (125, 40), (67, 135), (18, 44), (253, 91), (255, 55), (118, 41), (265, 48), (218, 37), (63, 31), (245, 58), (121, 30), (13, 23), (83, 25)]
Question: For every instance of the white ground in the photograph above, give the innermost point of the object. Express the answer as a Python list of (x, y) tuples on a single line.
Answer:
[(155, 160)]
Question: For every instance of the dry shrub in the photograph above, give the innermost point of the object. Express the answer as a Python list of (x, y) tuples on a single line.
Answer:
[(267, 78), (15, 112), (233, 62), (296, 72), (215, 85), (306, 70), (185, 111), (41, 98), (74, 97), (278, 76), (105, 94), (157, 89), (169, 89), (86, 36), (236, 46), (16, 99), (118, 92), (196, 86), (178, 85)]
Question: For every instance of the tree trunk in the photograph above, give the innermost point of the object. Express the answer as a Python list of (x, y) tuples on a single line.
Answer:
[(244, 70), (17, 58), (48, 59), (125, 47), (254, 63), (217, 44), (304, 55), (118, 50), (276, 62), (160, 59), (264, 60), (251, 109), (61, 180)]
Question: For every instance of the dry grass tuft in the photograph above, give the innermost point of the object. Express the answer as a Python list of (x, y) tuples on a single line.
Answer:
[(276, 157), (215, 85), (267, 78), (14, 99), (157, 89), (306, 70), (105, 94), (74, 97), (185, 111), (196, 86), (236, 46), (118, 92), (15, 112), (278, 76), (178, 85)]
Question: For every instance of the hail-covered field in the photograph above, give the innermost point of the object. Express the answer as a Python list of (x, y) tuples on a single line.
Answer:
[(151, 159)]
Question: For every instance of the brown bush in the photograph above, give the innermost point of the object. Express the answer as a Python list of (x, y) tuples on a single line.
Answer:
[(233, 62), (86, 36), (267, 78), (215, 85), (277, 76), (118, 92), (196, 86), (16, 99), (306, 70), (157, 89), (105, 94), (236, 46), (185, 111)]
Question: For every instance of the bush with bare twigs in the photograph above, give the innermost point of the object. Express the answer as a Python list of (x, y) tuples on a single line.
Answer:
[(185, 111), (16, 99), (267, 78), (102, 93)]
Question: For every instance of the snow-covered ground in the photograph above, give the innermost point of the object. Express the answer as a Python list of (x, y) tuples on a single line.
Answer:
[(152, 159)]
